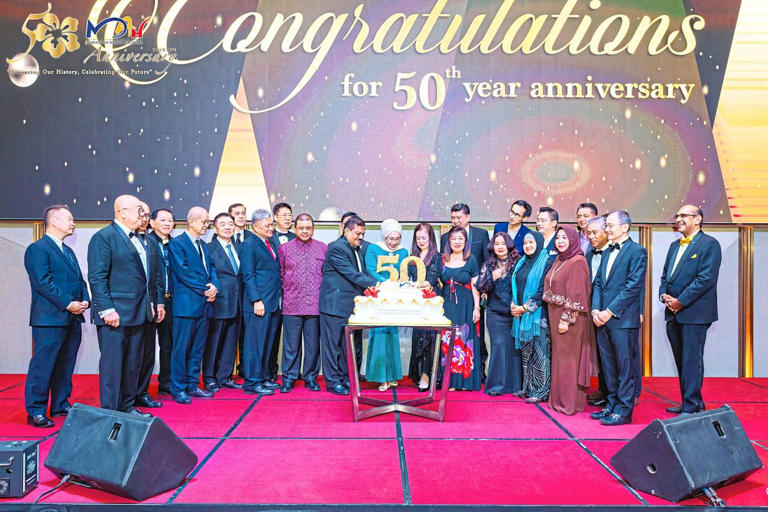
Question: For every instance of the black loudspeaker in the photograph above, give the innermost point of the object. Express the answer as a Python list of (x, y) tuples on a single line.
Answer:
[(120, 453), (679, 457)]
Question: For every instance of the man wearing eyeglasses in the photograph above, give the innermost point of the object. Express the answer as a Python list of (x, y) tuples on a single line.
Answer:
[(127, 294), (689, 292), (518, 213), (282, 234)]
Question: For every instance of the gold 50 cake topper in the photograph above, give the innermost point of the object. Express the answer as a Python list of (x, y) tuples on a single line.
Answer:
[(385, 263)]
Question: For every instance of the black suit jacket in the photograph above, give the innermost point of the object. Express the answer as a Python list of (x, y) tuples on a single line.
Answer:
[(56, 280), (623, 292), (227, 303), (478, 239), (694, 281), (261, 275), (118, 280), (342, 281), (275, 240), (165, 270)]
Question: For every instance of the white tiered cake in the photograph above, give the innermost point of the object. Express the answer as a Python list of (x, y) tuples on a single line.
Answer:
[(396, 303)]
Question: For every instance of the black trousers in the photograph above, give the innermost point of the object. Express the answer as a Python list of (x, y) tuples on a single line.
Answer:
[(221, 348), (616, 350), (165, 340), (119, 365), (333, 351), (147, 358), (54, 354), (687, 341), (257, 346), (295, 328), (273, 366)]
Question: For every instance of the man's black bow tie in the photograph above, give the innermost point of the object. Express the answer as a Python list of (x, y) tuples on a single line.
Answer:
[(597, 251), (132, 234), (614, 247)]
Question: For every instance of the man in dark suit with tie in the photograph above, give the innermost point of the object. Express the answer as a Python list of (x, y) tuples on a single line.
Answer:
[(162, 223), (518, 213), (357, 336), (478, 241), (616, 309), (59, 298), (344, 277), (126, 296), (195, 286), (237, 211), (689, 291), (598, 239), (224, 328), (261, 303)]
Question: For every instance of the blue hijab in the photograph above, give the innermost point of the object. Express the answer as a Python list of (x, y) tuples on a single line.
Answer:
[(528, 326)]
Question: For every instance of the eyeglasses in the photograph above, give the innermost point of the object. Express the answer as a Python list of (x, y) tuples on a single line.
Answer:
[(514, 214), (679, 215), (285, 215)]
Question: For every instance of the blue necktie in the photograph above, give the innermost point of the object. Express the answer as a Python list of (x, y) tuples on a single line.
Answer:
[(232, 258)]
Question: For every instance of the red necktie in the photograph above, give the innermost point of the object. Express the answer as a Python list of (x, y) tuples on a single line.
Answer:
[(270, 249)]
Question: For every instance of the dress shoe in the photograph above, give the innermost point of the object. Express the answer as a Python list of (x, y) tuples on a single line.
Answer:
[(146, 401), (258, 390), (599, 415), (270, 385), (229, 383), (212, 387), (533, 400), (162, 390), (182, 398), (494, 393), (599, 402), (615, 419), (62, 412), (287, 386), (200, 393), (595, 396), (676, 409), (40, 421), (136, 412), (312, 385), (338, 389)]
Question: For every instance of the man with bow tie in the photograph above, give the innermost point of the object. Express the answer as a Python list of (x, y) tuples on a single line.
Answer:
[(59, 298), (127, 294), (598, 240), (261, 304), (616, 308), (195, 286), (689, 292)]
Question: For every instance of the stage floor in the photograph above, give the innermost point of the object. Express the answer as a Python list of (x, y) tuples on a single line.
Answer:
[(303, 448)]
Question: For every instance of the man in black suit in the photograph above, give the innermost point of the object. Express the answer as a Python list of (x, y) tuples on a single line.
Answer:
[(357, 336), (148, 350), (689, 291), (616, 308), (478, 241), (261, 304), (224, 328), (195, 287), (162, 223), (344, 277), (126, 296), (546, 224), (598, 239), (237, 211), (283, 216), (59, 298)]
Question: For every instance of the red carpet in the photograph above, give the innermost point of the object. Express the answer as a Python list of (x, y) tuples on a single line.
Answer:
[(303, 448)]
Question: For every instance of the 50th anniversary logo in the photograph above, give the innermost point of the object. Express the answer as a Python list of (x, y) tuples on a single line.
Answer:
[(112, 39)]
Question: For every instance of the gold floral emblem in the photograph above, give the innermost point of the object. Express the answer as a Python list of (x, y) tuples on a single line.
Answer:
[(56, 37)]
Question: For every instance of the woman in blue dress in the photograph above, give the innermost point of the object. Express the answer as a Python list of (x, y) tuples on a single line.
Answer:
[(383, 361), (462, 302)]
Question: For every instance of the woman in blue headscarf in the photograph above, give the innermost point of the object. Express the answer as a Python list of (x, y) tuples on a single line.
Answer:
[(530, 328)]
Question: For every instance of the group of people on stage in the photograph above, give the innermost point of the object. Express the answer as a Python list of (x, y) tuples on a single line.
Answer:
[(561, 305)]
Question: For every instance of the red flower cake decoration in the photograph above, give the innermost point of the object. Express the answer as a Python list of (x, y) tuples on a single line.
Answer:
[(371, 291)]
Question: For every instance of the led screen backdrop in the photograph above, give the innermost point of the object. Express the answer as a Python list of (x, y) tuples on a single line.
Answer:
[(391, 109)]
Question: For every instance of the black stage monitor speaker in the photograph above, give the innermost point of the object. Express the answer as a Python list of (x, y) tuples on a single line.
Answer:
[(18, 468), (679, 457), (120, 453)]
